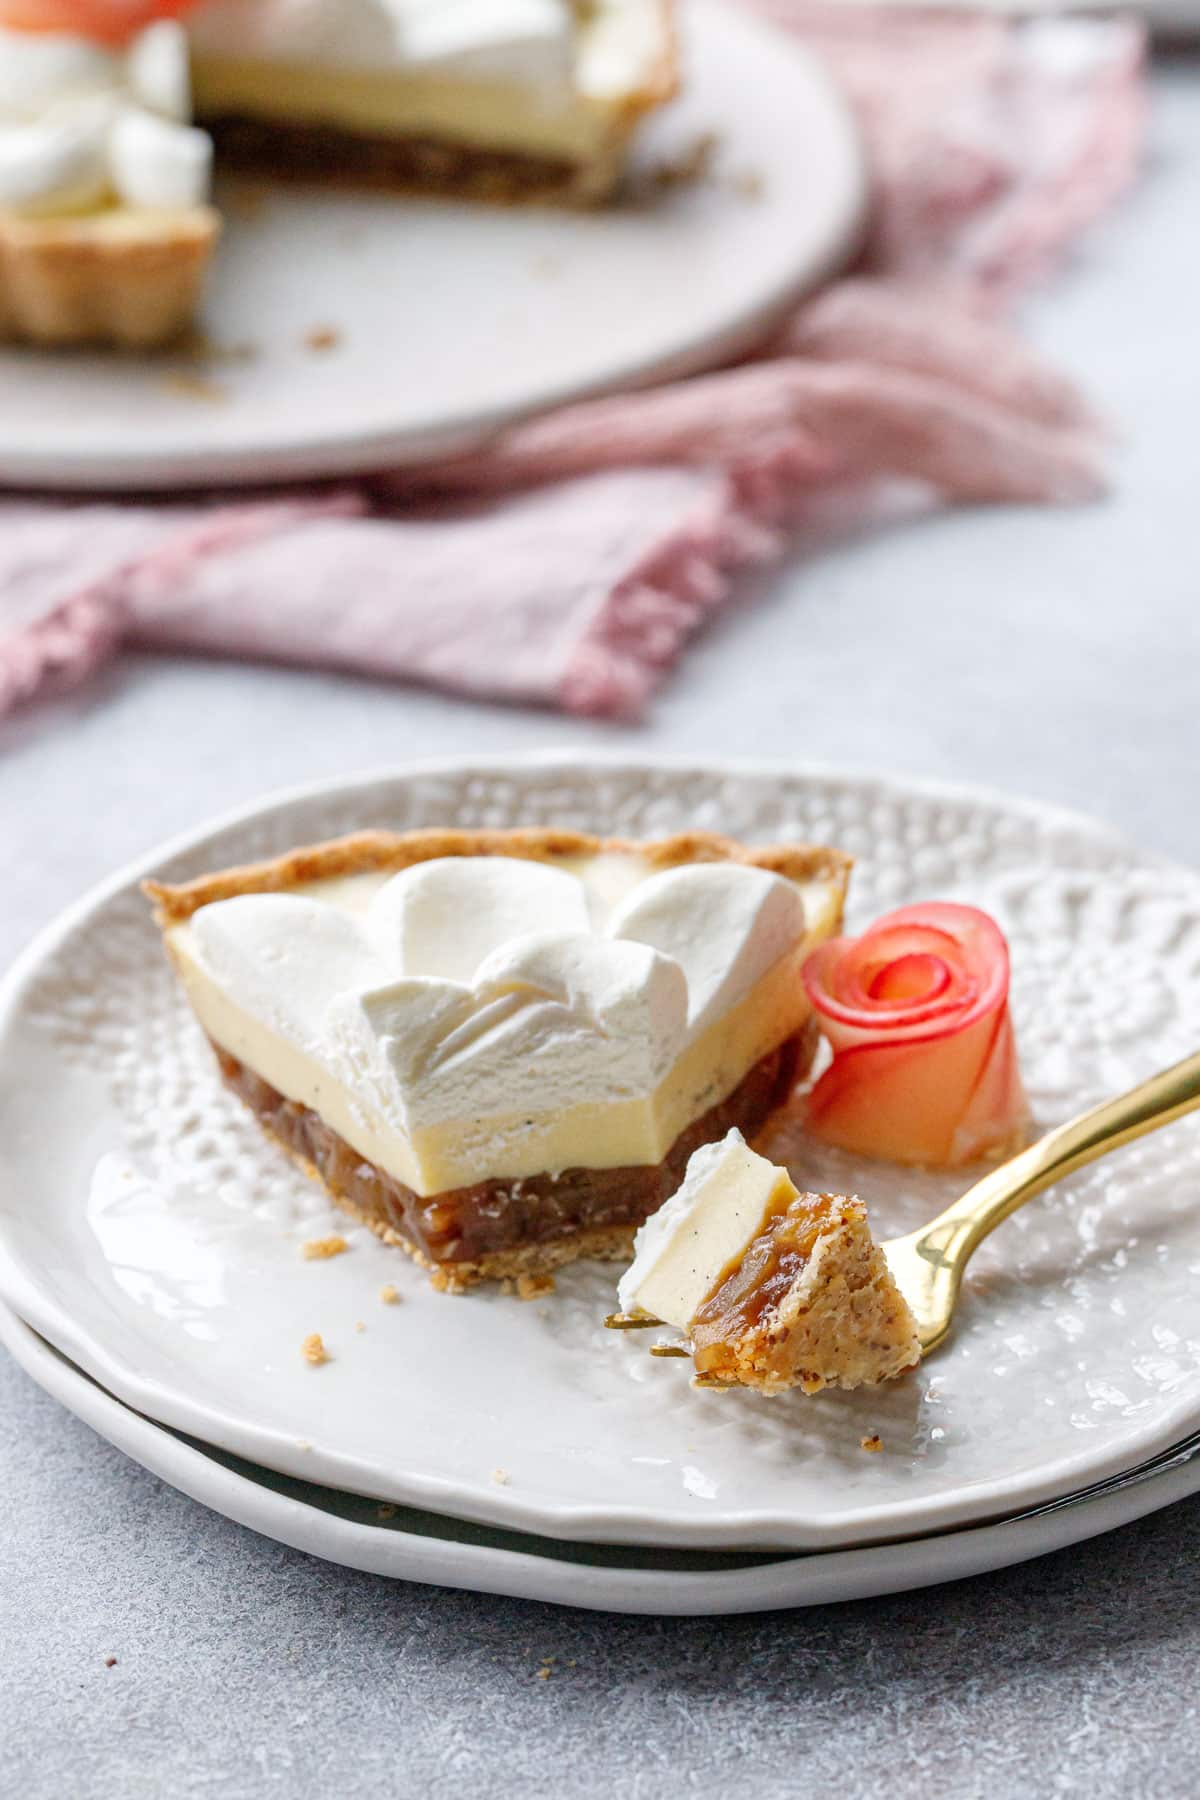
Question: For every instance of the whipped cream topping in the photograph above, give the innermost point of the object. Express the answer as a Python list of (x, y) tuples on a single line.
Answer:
[(684, 1249), (443, 1003), (83, 126), (725, 924)]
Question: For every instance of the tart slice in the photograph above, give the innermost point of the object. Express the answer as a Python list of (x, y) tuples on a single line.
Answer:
[(488, 99), (105, 227), (499, 1049), (773, 1289)]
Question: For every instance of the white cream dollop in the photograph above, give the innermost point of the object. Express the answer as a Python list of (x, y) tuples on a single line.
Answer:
[(725, 923), (683, 1249), (444, 917), (549, 1021), (82, 125), (55, 168), (288, 959)]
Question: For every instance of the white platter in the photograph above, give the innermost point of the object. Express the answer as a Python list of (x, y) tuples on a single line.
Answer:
[(454, 320), (175, 1278), (414, 1546)]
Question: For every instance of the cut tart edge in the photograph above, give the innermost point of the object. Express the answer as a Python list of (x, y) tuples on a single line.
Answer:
[(126, 277)]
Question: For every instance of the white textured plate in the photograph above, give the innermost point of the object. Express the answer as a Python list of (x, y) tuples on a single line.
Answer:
[(452, 319), (415, 1546), (150, 1233), (1167, 18)]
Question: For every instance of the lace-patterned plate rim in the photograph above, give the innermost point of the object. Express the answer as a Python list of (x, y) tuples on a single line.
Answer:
[(777, 1478)]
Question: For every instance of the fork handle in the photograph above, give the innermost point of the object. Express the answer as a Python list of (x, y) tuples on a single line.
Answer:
[(1153, 1103)]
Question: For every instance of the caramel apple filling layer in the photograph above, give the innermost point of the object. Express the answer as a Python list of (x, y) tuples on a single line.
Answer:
[(497, 1227)]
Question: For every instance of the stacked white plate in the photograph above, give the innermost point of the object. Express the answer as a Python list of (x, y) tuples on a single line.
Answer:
[(149, 1250)]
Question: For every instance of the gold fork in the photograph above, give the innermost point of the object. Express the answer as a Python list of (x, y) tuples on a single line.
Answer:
[(928, 1264)]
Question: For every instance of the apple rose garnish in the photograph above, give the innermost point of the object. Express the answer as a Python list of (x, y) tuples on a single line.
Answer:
[(103, 21), (924, 1063)]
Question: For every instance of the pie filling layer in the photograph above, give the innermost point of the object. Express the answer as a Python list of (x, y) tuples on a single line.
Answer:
[(488, 1221)]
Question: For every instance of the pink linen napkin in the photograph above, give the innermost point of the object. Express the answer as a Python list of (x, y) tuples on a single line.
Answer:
[(568, 563)]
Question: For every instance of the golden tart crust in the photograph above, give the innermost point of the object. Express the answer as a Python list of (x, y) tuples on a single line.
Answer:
[(121, 277)]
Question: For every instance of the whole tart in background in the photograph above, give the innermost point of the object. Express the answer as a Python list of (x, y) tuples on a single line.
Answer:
[(106, 232)]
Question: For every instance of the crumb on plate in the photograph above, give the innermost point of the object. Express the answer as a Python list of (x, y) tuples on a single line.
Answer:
[(501, 1477), (749, 184), (313, 1349), (691, 167), (194, 387), (322, 337), (321, 1249), (389, 1295), (872, 1443)]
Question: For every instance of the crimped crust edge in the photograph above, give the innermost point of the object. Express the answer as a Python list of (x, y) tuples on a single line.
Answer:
[(386, 851)]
